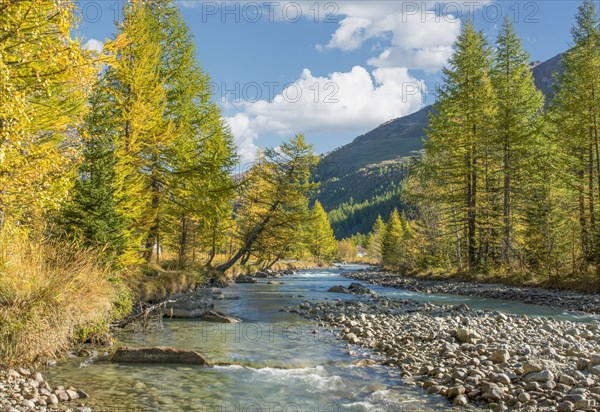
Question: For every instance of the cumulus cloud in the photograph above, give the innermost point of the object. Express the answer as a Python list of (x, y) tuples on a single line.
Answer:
[(340, 102), (409, 35), (418, 35), (93, 44)]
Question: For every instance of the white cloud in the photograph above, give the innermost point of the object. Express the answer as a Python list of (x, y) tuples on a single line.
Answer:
[(418, 35), (415, 35), (340, 102), (93, 44), (244, 137), (351, 34), (409, 35)]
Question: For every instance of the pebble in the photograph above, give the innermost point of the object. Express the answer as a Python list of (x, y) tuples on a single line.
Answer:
[(571, 300), (23, 390), (473, 357)]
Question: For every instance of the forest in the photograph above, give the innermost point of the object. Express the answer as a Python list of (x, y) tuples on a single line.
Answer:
[(117, 177), (118, 183), (509, 185)]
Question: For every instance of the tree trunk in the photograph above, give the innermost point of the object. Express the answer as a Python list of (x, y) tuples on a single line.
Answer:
[(152, 238), (471, 213), (506, 243), (183, 241), (582, 217), (247, 246), (213, 249)]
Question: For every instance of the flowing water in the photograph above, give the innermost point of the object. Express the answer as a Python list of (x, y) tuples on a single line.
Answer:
[(281, 364)]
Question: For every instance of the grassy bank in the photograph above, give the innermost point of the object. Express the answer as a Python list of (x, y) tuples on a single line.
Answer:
[(49, 293), (56, 294), (587, 283)]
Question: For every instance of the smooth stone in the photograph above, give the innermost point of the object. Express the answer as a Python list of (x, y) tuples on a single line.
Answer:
[(212, 316), (158, 354)]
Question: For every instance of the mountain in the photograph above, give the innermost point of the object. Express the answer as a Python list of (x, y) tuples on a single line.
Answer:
[(362, 179)]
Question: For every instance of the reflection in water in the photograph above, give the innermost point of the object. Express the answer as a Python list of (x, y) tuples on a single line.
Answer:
[(281, 364)]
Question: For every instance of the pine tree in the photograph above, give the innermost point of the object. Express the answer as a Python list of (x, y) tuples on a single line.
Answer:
[(322, 241), (460, 149), (518, 118)]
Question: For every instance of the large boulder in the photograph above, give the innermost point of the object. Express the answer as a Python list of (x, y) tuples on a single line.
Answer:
[(190, 305), (339, 289), (359, 289), (212, 316), (158, 354), (245, 279), (354, 288)]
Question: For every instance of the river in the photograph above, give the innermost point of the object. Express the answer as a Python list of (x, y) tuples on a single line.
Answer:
[(282, 361)]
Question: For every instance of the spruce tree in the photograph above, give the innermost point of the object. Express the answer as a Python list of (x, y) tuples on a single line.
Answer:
[(91, 215)]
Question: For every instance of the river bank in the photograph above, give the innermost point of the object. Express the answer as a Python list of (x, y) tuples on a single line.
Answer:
[(483, 359), (437, 355), (574, 301), (24, 390)]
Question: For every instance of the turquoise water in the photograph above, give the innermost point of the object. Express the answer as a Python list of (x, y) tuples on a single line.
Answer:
[(281, 364)]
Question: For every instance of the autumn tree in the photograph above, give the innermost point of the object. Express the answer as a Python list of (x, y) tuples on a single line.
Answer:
[(376, 235), (391, 241), (46, 77), (460, 148), (575, 112), (197, 184), (518, 120), (322, 243), (275, 199)]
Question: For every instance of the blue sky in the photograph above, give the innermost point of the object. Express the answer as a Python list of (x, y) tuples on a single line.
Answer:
[(334, 70)]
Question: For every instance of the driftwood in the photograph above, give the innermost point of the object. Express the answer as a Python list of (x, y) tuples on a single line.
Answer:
[(144, 314)]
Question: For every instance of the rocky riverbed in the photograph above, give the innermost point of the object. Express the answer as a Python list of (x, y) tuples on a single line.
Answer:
[(570, 300), (477, 359), (23, 390)]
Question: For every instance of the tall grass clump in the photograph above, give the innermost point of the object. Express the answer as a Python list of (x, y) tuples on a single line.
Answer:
[(48, 292)]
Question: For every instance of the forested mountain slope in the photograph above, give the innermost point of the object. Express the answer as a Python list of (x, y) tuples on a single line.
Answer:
[(362, 179)]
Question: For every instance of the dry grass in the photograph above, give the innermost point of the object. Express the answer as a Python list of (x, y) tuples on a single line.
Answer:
[(154, 283), (585, 283), (48, 291)]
